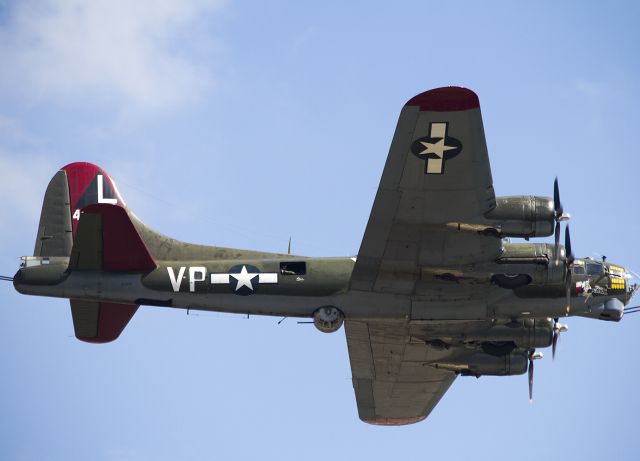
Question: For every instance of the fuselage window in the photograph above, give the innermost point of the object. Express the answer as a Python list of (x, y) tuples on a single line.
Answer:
[(293, 268), (594, 269)]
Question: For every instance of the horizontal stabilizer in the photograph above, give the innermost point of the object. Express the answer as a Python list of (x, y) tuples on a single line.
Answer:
[(99, 322), (107, 240)]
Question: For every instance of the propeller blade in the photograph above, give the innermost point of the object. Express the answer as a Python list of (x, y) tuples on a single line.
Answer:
[(555, 338), (533, 355), (557, 242), (567, 246), (567, 290), (557, 205), (531, 378), (568, 264), (557, 329)]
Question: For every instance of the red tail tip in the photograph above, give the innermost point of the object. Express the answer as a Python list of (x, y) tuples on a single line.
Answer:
[(446, 99), (89, 184)]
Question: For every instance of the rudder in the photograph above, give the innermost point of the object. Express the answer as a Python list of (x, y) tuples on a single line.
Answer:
[(107, 240)]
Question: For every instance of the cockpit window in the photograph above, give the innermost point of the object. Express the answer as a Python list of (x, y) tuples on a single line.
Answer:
[(595, 269), (578, 270)]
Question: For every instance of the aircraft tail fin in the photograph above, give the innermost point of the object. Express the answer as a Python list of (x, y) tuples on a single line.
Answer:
[(75, 186), (54, 230), (106, 240), (81, 184)]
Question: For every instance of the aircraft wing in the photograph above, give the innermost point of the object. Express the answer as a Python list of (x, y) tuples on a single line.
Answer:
[(436, 178), (436, 181), (393, 385)]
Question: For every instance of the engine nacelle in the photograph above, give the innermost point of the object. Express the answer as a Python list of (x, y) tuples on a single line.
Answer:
[(525, 333), (523, 216), (481, 363), (534, 259)]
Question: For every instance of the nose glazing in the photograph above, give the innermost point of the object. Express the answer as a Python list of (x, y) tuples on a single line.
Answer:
[(632, 281)]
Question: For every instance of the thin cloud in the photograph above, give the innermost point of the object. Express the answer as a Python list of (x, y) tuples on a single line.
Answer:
[(23, 184), (138, 55), (12, 131)]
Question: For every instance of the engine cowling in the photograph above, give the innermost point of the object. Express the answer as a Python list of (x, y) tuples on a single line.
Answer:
[(523, 216), (524, 333), (481, 363), (536, 260)]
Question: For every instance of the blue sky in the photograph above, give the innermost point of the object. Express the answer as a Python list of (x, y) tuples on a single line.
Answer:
[(242, 123)]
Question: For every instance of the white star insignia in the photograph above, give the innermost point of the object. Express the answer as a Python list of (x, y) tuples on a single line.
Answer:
[(244, 278), (437, 148)]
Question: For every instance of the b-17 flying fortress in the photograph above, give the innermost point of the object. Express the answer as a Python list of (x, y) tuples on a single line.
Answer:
[(438, 289)]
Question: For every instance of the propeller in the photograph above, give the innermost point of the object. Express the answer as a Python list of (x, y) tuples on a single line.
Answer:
[(533, 355), (559, 216), (569, 259), (557, 204), (567, 245), (557, 329), (530, 379)]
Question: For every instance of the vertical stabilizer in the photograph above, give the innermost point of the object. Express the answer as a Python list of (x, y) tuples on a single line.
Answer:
[(74, 187), (55, 230)]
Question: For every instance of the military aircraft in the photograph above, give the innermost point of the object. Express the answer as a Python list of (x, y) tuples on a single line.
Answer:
[(437, 290)]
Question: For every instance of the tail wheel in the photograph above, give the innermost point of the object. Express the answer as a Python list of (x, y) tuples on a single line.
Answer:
[(328, 319)]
